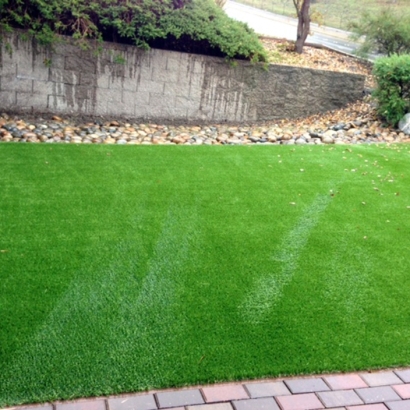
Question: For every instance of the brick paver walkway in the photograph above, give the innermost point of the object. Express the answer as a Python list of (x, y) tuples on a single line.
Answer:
[(384, 390)]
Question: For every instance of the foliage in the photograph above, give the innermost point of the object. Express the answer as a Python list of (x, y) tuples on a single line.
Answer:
[(385, 32), (134, 21), (138, 22), (206, 26), (393, 86)]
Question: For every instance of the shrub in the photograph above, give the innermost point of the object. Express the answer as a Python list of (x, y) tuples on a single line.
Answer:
[(385, 32), (132, 21), (185, 25), (202, 25), (393, 86)]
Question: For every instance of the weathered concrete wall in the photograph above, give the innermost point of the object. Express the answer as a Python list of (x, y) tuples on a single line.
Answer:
[(162, 85)]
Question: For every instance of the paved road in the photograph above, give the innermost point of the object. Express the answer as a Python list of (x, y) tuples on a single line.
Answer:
[(274, 25)]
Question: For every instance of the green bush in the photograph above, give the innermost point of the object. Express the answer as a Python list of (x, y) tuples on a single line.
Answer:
[(385, 32), (393, 86), (186, 25), (132, 21), (204, 25)]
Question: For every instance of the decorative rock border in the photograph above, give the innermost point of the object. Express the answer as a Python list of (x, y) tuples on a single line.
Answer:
[(57, 130)]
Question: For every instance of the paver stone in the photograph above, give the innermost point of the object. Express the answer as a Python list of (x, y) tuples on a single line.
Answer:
[(345, 382), (404, 375), (226, 392), (179, 398), (212, 406), (92, 404), (307, 385), (403, 390), (398, 405), (380, 379), (267, 389), (264, 403), (142, 402), (307, 401), (340, 398), (377, 394)]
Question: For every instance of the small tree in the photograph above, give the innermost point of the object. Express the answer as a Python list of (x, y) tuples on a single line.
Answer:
[(302, 10), (386, 33)]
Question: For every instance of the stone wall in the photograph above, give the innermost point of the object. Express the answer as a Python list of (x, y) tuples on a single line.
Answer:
[(162, 85)]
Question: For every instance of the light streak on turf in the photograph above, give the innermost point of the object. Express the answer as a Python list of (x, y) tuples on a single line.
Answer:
[(269, 288), (113, 309)]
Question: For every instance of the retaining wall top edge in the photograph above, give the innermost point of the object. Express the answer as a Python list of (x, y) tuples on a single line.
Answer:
[(231, 63)]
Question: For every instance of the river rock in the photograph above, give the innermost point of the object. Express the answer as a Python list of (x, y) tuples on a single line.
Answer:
[(404, 124)]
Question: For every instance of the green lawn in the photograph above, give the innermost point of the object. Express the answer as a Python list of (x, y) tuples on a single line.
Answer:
[(129, 268), (333, 13)]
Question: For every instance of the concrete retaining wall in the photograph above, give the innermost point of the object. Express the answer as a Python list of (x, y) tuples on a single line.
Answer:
[(162, 85)]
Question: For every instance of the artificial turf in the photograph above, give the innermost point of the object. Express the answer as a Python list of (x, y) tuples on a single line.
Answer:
[(129, 268)]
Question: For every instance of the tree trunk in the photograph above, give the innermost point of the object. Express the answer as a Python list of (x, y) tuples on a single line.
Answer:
[(303, 26)]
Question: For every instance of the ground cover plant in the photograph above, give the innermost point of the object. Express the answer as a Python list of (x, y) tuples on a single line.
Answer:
[(128, 268)]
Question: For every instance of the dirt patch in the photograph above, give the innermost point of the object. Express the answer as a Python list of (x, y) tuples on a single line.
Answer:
[(281, 52)]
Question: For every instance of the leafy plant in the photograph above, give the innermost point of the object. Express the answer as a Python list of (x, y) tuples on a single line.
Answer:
[(9, 49), (119, 59), (393, 86), (48, 62), (385, 32), (186, 25), (202, 25)]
